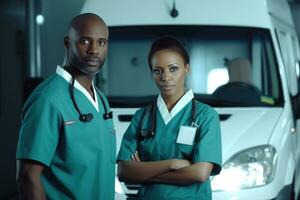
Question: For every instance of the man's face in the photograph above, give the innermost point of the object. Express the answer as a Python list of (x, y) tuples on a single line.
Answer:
[(88, 44)]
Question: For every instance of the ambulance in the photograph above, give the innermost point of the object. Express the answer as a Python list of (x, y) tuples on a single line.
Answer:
[(244, 58)]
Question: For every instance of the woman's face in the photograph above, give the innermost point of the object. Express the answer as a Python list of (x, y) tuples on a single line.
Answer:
[(169, 71)]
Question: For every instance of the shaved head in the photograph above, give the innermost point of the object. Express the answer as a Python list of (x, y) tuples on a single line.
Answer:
[(82, 20)]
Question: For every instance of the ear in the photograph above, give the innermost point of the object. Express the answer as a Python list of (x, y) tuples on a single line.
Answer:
[(187, 68), (67, 42)]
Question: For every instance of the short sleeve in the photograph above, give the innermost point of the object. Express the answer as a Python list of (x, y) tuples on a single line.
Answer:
[(129, 141), (209, 147), (39, 131)]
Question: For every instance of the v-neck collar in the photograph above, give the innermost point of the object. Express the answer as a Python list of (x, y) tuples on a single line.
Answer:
[(67, 76), (163, 109)]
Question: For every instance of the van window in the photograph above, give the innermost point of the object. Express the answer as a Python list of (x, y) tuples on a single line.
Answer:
[(229, 66)]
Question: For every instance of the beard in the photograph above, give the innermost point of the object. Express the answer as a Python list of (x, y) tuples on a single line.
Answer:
[(90, 65)]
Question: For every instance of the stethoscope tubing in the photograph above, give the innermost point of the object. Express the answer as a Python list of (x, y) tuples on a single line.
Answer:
[(107, 115), (152, 109)]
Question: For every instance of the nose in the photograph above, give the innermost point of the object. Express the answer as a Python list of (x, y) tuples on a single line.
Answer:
[(93, 48), (165, 76)]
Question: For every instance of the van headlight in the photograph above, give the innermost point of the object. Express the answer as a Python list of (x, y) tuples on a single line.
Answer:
[(249, 168)]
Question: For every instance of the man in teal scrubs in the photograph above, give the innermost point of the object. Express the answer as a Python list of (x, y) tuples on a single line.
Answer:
[(66, 147)]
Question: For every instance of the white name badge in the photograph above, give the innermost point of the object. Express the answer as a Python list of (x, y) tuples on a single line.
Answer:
[(186, 135)]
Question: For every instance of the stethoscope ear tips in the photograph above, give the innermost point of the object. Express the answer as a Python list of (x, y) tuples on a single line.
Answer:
[(86, 117)]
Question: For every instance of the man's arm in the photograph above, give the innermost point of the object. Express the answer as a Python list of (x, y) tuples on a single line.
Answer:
[(140, 172), (29, 180), (195, 173)]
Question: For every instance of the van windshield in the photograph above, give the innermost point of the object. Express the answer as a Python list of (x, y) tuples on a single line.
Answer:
[(229, 66)]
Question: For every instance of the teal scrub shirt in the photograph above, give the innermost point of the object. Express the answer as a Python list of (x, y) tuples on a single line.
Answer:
[(80, 157), (206, 148)]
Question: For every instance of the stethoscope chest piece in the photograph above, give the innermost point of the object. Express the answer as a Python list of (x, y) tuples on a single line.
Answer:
[(89, 116), (86, 117)]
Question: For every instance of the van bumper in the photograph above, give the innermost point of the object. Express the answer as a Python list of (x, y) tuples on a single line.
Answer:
[(266, 193)]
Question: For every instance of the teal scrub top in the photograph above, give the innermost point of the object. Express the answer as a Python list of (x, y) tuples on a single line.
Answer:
[(206, 148), (80, 157)]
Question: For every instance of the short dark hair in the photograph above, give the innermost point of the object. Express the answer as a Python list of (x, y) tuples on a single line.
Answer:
[(170, 43)]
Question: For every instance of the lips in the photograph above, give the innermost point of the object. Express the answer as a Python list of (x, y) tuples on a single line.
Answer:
[(93, 61), (167, 87)]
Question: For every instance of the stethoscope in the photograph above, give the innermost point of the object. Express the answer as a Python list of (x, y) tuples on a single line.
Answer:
[(151, 110), (89, 116)]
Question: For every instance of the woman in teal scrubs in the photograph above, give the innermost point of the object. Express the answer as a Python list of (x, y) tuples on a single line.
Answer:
[(173, 146)]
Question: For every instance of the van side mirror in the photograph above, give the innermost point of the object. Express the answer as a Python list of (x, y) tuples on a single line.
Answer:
[(295, 101)]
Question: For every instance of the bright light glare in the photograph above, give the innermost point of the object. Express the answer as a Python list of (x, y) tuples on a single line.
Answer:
[(39, 19), (216, 78), (118, 187), (243, 176), (229, 180), (297, 69), (249, 168)]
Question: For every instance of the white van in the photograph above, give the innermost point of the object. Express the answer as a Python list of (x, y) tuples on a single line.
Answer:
[(244, 62)]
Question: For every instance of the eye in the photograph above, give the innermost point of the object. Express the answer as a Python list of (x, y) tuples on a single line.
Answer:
[(84, 42), (173, 68), (102, 42), (156, 71)]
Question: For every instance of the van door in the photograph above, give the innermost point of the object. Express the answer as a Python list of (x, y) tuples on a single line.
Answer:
[(289, 48)]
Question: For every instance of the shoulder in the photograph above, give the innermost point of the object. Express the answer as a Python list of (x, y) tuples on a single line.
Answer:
[(49, 91), (204, 108), (142, 111), (208, 120), (205, 111), (52, 86)]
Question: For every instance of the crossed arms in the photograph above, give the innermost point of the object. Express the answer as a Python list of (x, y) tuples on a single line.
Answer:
[(172, 171)]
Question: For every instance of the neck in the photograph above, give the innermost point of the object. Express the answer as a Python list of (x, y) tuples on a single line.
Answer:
[(172, 100), (83, 79)]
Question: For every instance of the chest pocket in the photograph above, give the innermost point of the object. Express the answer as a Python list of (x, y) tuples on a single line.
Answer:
[(74, 132), (184, 151)]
